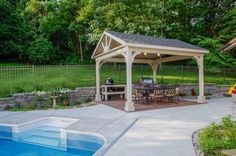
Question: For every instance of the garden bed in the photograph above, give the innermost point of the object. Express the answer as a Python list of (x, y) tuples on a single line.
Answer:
[(216, 139)]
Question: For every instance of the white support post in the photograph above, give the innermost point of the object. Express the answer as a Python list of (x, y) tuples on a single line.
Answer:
[(154, 72), (201, 97), (98, 94), (129, 58)]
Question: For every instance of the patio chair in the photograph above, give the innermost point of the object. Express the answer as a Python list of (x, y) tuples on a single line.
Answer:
[(136, 93), (170, 94), (158, 95), (177, 91)]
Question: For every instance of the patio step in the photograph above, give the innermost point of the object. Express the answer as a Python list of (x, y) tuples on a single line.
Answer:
[(43, 140), (44, 136)]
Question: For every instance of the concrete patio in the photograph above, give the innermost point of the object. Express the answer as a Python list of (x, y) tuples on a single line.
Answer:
[(164, 132)]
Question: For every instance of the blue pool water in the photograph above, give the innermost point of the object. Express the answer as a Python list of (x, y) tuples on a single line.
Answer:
[(45, 141), (14, 148)]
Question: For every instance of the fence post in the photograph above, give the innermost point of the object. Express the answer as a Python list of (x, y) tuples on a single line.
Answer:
[(224, 74), (67, 75), (162, 73), (33, 77), (141, 70), (119, 73)]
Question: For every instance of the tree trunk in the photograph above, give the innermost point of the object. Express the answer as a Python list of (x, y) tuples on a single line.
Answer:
[(81, 51), (77, 43), (79, 46)]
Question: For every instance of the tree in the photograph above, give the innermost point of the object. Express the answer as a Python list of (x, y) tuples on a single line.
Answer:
[(41, 51), (72, 27), (11, 31)]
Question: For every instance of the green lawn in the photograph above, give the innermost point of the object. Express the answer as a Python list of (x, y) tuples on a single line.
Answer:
[(20, 78)]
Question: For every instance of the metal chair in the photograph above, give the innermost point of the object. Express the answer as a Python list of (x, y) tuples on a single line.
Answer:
[(136, 93), (158, 95), (170, 94)]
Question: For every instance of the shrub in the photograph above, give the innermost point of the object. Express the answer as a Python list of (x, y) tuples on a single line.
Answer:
[(17, 105), (87, 100), (218, 136), (182, 94), (31, 106), (49, 103), (18, 89), (41, 51)]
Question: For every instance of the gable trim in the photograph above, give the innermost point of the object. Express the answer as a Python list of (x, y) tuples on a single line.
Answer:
[(112, 38)]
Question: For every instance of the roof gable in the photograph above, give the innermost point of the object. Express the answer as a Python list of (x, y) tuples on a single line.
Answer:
[(111, 41), (107, 42)]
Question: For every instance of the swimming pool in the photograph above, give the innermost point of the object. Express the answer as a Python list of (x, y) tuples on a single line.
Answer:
[(47, 137)]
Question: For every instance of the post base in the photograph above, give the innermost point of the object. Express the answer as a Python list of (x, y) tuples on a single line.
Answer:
[(201, 99), (98, 98), (129, 106), (234, 98)]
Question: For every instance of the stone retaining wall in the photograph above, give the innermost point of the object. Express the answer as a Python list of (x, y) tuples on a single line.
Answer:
[(84, 93), (217, 90), (78, 95)]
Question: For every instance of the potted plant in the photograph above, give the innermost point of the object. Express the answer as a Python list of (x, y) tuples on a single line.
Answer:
[(234, 94)]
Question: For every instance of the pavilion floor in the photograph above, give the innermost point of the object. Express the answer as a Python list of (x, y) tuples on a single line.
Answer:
[(119, 104)]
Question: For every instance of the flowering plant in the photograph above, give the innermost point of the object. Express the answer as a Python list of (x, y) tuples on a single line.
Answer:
[(234, 90), (64, 90), (40, 93)]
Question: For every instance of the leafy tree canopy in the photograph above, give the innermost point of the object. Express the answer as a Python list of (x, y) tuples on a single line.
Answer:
[(39, 31)]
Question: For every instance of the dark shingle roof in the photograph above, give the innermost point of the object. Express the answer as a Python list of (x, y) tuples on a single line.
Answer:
[(149, 40)]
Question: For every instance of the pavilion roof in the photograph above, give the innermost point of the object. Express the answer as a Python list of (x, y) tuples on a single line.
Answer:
[(150, 40)]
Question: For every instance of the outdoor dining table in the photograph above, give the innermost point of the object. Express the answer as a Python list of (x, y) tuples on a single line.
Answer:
[(145, 91)]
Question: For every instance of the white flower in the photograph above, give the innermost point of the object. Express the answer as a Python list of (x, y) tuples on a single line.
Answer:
[(64, 90), (40, 93)]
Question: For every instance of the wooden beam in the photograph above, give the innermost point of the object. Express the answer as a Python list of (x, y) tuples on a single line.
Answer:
[(109, 43), (150, 61), (115, 38), (166, 48), (161, 51), (111, 53), (122, 60), (103, 46), (97, 46), (173, 58), (229, 47)]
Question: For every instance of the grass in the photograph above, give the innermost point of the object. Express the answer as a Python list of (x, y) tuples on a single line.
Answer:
[(2, 64), (15, 79)]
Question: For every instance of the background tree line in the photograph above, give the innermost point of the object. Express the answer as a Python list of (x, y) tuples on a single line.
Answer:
[(66, 31)]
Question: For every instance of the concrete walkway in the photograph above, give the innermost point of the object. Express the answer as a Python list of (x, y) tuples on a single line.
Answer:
[(168, 132), (160, 132)]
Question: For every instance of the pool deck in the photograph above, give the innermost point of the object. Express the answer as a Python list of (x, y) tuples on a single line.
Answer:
[(164, 132)]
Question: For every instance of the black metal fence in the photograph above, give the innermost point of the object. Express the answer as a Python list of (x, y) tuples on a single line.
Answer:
[(30, 78)]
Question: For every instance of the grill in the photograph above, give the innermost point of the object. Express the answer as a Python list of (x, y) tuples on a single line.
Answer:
[(109, 81), (147, 81)]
